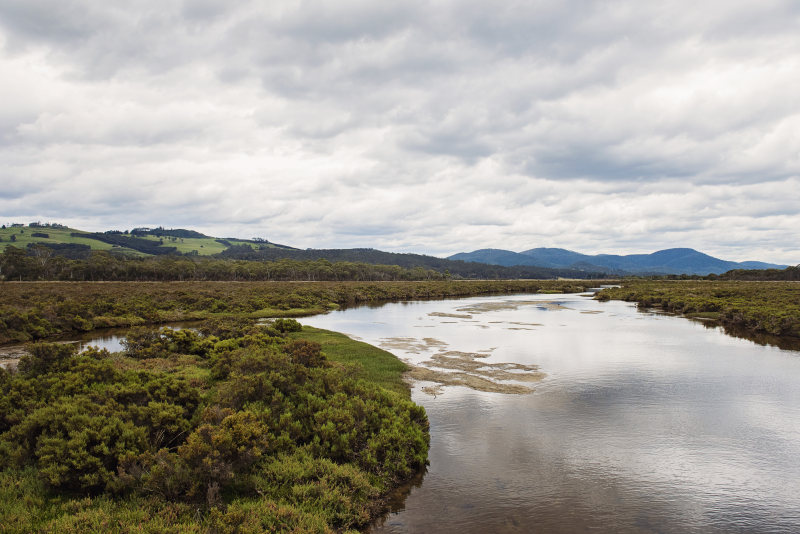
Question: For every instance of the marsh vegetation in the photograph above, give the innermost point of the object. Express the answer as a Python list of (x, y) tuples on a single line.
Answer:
[(237, 427)]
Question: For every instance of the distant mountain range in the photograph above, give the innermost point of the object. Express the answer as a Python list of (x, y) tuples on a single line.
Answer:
[(669, 261), (485, 263)]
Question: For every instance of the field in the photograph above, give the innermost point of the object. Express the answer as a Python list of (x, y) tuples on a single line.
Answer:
[(205, 246), (23, 236)]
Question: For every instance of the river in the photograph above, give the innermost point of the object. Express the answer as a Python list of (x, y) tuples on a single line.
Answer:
[(642, 423), (637, 422)]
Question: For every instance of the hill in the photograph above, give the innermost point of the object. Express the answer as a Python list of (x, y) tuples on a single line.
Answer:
[(459, 269), (153, 242), (669, 261), (76, 243)]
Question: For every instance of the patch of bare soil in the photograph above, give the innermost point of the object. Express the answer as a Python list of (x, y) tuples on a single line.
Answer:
[(454, 368), (483, 307), (411, 344), (450, 315), (467, 380)]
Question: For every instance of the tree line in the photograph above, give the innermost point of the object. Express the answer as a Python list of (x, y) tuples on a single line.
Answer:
[(43, 263)]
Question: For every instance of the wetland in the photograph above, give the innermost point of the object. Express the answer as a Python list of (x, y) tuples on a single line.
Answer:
[(618, 419)]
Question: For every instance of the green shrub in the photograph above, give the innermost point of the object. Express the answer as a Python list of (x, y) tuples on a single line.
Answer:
[(307, 353), (287, 325), (46, 357)]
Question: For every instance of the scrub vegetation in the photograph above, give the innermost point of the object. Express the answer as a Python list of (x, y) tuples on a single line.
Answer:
[(39, 310), (237, 427), (757, 307)]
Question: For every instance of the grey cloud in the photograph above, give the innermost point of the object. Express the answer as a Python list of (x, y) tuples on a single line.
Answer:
[(445, 126)]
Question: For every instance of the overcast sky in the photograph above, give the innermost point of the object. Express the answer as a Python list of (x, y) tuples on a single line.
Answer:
[(413, 126)]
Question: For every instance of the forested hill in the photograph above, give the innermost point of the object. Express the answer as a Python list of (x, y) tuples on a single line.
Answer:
[(460, 269), (788, 274)]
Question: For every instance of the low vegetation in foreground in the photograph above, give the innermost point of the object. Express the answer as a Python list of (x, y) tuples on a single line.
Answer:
[(38, 310), (236, 428), (758, 307)]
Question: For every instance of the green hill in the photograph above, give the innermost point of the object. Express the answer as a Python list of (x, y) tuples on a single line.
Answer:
[(137, 242), (147, 244)]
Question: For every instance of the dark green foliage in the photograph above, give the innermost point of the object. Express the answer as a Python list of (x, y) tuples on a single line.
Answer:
[(146, 246), (73, 251), (43, 309), (286, 325), (307, 353), (76, 443), (145, 342), (790, 273), (351, 264), (77, 262), (46, 357), (19, 325), (172, 232), (274, 439), (759, 307), (78, 418), (227, 327)]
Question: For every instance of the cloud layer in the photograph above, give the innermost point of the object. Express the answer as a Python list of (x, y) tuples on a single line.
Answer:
[(617, 126)]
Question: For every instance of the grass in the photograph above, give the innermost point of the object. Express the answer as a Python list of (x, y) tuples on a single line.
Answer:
[(23, 236), (205, 246), (374, 365)]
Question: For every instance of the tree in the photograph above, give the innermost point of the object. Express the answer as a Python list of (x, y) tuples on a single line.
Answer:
[(42, 254)]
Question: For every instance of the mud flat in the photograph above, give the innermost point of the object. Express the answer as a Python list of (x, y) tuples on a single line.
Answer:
[(467, 369), (455, 368)]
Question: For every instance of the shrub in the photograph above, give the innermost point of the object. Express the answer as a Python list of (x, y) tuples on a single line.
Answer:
[(307, 353), (46, 357), (287, 325)]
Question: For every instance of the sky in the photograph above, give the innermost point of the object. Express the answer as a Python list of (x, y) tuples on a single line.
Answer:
[(430, 127)]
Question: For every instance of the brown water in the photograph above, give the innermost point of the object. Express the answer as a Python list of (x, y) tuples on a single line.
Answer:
[(643, 423)]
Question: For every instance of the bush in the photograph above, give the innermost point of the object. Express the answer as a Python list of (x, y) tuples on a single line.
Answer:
[(287, 325), (307, 353), (46, 357), (286, 443), (76, 444)]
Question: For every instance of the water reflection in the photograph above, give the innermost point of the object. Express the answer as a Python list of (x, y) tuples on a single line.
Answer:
[(106, 338), (645, 423)]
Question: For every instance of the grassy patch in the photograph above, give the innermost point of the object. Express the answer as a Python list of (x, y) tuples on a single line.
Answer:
[(374, 365), (24, 236), (205, 246)]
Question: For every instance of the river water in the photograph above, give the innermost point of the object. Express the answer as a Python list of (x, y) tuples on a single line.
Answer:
[(643, 423)]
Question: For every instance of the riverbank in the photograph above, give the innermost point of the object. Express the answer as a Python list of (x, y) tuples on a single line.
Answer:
[(235, 428), (41, 310), (755, 307)]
